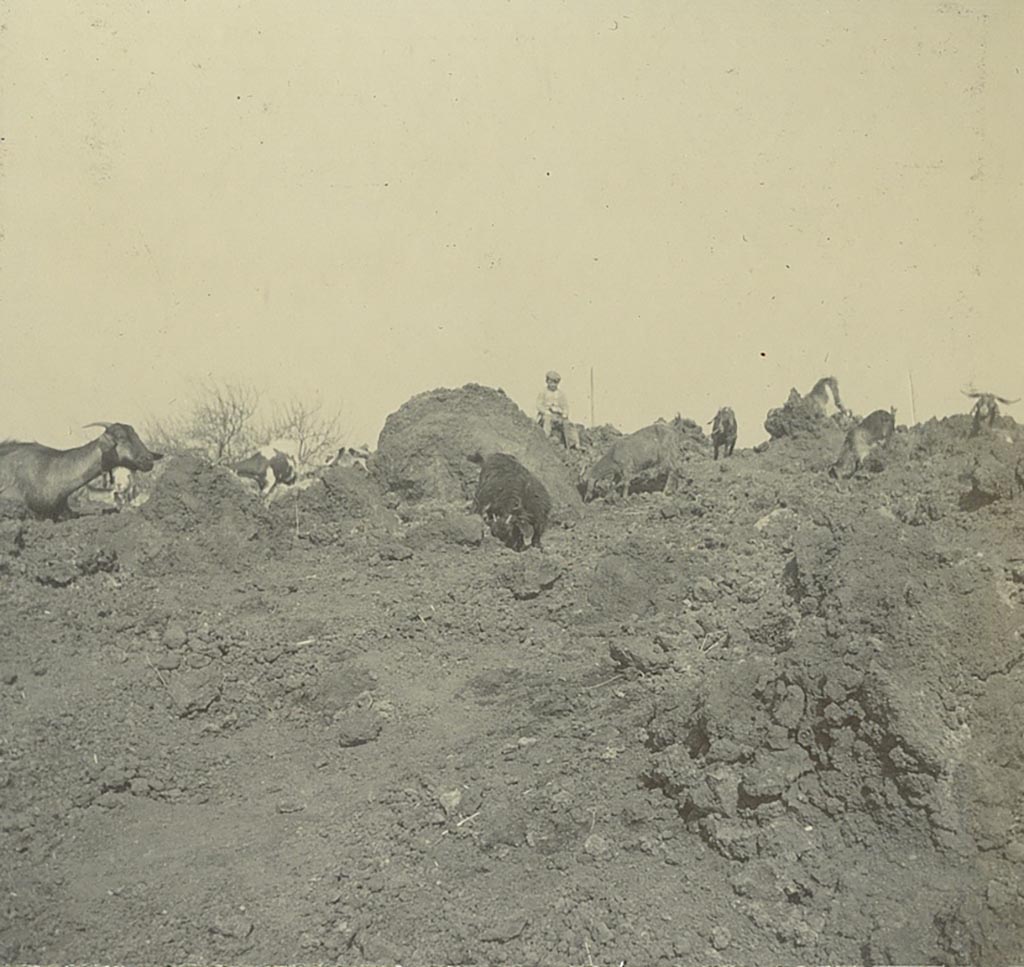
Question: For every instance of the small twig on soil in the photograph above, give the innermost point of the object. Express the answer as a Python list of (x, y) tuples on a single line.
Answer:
[(305, 641), (705, 647), (586, 946), (158, 675), (466, 819), (607, 681)]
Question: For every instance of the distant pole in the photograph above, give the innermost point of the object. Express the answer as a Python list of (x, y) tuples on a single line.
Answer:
[(913, 408), (591, 395)]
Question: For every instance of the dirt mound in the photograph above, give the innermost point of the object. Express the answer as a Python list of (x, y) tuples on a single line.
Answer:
[(205, 515), (937, 468), (599, 438), (799, 416), (692, 438), (339, 504), (59, 555), (423, 448)]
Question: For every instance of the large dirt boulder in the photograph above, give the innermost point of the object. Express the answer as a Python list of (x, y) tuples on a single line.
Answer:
[(423, 450), (799, 416), (692, 438)]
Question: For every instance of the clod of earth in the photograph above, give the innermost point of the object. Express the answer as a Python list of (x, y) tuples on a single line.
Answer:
[(357, 727)]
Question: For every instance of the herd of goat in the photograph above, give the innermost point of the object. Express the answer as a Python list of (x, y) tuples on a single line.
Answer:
[(512, 501)]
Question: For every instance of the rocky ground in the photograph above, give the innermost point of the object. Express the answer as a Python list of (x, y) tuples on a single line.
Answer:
[(767, 718)]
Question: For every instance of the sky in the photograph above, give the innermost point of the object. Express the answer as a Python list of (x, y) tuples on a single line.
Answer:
[(700, 203)]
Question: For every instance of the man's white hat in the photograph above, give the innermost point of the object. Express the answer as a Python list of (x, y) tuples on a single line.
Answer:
[(553, 376)]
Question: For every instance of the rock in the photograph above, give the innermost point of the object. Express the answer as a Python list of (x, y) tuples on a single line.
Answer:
[(57, 575), (704, 589), (504, 930), (290, 806), (781, 522), (644, 656), (528, 575), (9, 678), (778, 738), (992, 826), (99, 560), (462, 529), (395, 551), (175, 636), (990, 480), (233, 925), (731, 837), (601, 933), (357, 727), (194, 691), (724, 782), (168, 662), (116, 776), (790, 708), (784, 836), (771, 773), (721, 938)]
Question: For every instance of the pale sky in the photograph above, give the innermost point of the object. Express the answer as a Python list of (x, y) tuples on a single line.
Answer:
[(706, 202)]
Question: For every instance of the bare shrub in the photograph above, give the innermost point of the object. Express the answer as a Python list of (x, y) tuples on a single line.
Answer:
[(220, 424), (316, 433), (223, 423)]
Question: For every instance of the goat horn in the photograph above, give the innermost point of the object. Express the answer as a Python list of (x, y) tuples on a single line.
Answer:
[(106, 426)]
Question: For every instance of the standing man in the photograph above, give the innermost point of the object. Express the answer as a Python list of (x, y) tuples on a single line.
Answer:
[(553, 412)]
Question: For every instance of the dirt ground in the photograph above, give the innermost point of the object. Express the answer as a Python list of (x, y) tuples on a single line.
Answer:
[(767, 718)]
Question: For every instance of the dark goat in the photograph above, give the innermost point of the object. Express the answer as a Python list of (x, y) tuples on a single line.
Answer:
[(513, 502), (723, 431), (42, 478)]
